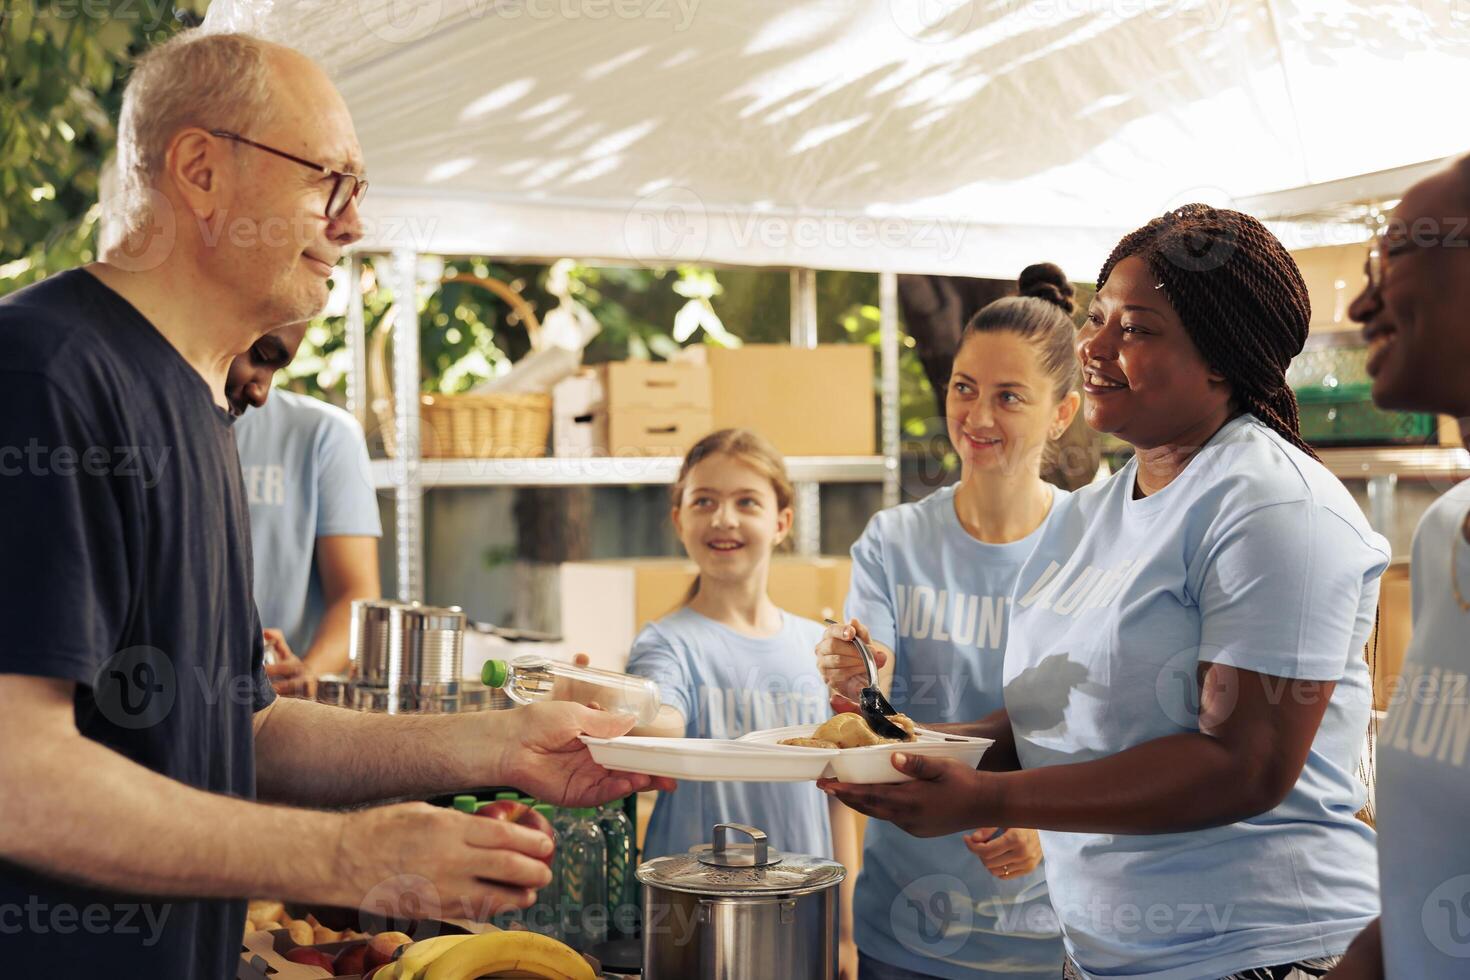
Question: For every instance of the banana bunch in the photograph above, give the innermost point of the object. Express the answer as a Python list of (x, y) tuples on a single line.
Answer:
[(468, 957)]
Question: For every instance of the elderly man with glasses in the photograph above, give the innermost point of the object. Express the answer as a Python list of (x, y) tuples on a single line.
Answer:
[(137, 724)]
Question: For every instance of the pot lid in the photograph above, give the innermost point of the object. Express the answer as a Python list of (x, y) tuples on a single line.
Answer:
[(756, 868)]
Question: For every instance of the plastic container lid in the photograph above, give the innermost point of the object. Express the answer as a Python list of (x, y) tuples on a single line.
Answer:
[(465, 804), (494, 673)]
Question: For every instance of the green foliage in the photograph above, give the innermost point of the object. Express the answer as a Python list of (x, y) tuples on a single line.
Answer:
[(62, 68)]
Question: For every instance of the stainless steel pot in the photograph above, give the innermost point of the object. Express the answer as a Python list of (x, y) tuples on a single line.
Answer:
[(740, 912)]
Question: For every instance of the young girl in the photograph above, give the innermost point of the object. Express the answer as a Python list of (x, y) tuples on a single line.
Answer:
[(730, 661), (930, 587)]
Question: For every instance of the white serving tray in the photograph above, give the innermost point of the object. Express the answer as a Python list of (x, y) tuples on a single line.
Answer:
[(709, 759), (871, 764), (757, 758)]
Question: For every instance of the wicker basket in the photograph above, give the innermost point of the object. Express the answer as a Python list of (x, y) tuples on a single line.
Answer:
[(467, 426), (482, 426)]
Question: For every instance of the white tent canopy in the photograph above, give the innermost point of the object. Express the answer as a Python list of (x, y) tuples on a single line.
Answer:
[(967, 137)]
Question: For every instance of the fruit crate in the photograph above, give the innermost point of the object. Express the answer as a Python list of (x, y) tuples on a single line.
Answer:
[(1344, 415)]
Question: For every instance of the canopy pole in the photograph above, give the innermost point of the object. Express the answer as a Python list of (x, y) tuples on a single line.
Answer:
[(408, 490), (808, 503), (888, 385)]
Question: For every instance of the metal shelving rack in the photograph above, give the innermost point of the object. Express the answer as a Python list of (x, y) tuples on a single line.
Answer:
[(408, 475)]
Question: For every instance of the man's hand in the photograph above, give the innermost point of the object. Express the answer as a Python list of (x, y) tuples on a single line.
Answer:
[(944, 797), (1012, 852), (418, 861), (540, 754), (290, 675)]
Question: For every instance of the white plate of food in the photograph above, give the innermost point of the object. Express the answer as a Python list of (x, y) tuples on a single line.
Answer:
[(863, 761), (710, 759)]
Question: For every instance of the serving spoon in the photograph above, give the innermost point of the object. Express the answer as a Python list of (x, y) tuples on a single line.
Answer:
[(873, 706)]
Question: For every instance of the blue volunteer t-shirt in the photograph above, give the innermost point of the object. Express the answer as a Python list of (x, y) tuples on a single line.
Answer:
[(305, 465), (726, 684), (939, 599), (1424, 765), (1256, 557)]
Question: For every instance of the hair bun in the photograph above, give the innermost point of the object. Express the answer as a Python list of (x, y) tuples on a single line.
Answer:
[(1047, 281)]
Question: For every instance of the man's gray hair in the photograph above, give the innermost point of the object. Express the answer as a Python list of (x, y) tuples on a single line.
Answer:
[(213, 81)]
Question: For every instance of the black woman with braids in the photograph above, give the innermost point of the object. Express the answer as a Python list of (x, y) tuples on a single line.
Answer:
[(1185, 689)]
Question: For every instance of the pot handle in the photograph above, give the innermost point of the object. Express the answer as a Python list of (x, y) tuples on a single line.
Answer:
[(757, 837)]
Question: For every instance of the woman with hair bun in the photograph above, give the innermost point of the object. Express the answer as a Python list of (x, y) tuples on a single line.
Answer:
[(929, 593), (1186, 695)]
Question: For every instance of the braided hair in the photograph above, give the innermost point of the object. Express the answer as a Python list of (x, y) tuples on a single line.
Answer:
[(1240, 296)]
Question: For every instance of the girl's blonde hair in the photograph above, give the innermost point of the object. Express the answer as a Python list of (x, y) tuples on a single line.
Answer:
[(750, 448)]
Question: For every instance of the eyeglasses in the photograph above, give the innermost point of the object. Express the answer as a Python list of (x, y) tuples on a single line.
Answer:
[(345, 187), (1393, 240)]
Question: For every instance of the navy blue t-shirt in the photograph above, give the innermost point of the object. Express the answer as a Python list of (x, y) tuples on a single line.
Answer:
[(124, 567)]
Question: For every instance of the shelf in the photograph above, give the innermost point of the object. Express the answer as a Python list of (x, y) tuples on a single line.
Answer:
[(1407, 462), (1404, 462), (603, 471)]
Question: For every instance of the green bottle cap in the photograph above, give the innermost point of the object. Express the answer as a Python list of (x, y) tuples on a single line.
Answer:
[(545, 809), (509, 795), (585, 812), (465, 803), (494, 673)]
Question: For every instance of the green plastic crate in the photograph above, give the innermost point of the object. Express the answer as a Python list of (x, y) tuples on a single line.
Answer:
[(1346, 416)]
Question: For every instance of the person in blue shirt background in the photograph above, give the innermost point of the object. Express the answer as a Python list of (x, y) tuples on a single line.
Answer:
[(314, 524), (1413, 312), (730, 661), (1186, 693), (931, 586)]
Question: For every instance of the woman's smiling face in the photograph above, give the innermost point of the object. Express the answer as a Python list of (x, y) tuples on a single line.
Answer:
[(1001, 406), (1145, 380)]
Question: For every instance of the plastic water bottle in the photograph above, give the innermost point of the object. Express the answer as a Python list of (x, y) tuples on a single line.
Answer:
[(532, 678), (617, 835), (581, 860)]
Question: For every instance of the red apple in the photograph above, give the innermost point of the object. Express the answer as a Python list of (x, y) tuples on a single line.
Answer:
[(351, 961), (307, 956), (518, 813), (380, 948)]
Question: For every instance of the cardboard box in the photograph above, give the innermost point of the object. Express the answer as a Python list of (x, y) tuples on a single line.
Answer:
[(656, 384), (637, 408), (1449, 432), (1395, 620), (605, 603), (808, 402), (1334, 276), (655, 432)]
